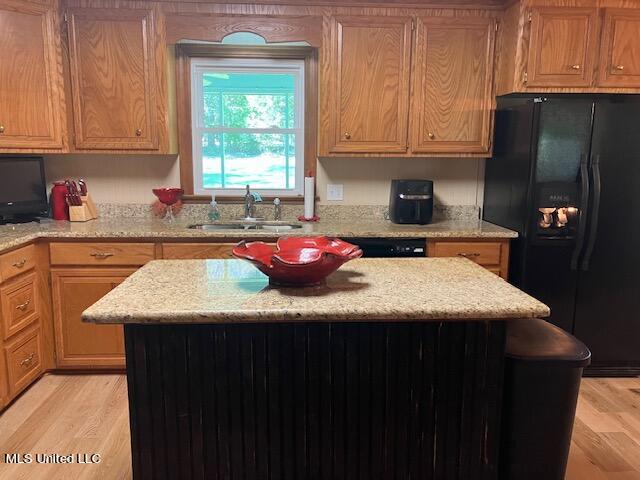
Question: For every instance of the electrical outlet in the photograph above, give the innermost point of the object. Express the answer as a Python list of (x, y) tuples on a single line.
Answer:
[(335, 191)]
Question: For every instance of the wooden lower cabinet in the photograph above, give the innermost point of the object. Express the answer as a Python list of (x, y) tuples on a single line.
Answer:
[(4, 382), (78, 344), (491, 254), (23, 355), (25, 343), (184, 251)]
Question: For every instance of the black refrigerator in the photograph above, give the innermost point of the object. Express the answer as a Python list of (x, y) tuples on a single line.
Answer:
[(565, 174)]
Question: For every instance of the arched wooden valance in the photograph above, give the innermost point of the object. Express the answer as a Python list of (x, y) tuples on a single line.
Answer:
[(274, 29)]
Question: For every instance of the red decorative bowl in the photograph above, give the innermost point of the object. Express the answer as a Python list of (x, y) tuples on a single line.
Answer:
[(298, 261), (168, 196)]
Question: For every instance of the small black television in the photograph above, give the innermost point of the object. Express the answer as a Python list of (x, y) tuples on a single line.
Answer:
[(23, 190)]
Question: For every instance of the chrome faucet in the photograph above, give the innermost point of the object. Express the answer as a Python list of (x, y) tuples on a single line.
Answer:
[(250, 200)]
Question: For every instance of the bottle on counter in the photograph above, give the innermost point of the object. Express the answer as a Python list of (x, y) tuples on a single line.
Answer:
[(214, 211)]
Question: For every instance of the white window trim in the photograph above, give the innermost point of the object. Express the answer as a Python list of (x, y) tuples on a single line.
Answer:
[(199, 66)]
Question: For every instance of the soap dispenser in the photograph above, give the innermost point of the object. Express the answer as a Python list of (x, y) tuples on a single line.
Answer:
[(214, 212)]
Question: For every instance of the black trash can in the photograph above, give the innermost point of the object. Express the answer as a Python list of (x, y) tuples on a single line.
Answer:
[(543, 369)]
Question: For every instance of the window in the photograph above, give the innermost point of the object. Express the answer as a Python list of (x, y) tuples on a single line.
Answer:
[(247, 125)]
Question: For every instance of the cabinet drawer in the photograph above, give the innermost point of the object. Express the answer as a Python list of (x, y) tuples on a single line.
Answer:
[(101, 253), (19, 305), (24, 360), (16, 262), (182, 251), (484, 253)]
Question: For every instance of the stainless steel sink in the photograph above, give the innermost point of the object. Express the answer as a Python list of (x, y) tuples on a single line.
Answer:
[(278, 226), (253, 225), (220, 226)]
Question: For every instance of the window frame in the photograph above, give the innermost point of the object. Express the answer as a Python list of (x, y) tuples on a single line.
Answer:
[(185, 52), (203, 65)]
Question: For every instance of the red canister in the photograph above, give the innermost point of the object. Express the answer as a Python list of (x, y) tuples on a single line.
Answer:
[(58, 201)]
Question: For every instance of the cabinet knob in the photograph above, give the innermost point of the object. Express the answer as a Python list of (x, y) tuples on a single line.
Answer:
[(431, 135), (1, 128), (576, 67), (138, 132), (347, 135), (619, 67)]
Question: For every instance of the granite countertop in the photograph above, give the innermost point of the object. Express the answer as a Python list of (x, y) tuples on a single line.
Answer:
[(368, 289), (139, 228)]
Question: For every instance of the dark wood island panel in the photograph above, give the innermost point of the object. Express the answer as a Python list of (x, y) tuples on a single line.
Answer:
[(417, 400)]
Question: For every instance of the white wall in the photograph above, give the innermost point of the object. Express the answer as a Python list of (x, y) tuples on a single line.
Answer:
[(116, 178), (457, 181), (129, 178)]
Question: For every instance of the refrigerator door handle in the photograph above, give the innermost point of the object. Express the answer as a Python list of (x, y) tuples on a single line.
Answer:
[(584, 204), (595, 209)]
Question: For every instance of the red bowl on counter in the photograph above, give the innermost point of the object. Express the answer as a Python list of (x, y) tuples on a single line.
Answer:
[(298, 261)]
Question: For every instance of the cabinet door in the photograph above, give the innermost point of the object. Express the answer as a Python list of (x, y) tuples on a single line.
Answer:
[(113, 78), (620, 50), (31, 100), (79, 344), (563, 47), (452, 85), (369, 87)]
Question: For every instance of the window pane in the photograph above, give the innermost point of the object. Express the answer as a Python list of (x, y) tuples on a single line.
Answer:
[(263, 160), (212, 160), (248, 100)]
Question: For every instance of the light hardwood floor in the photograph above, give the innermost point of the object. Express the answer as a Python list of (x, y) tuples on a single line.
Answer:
[(88, 414)]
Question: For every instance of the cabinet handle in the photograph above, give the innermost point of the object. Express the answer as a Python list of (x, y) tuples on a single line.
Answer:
[(619, 67), (138, 132), (27, 361), (347, 135), (1, 128), (101, 254), (23, 306), (468, 255), (576, 67), (20, 263), (431, 135)]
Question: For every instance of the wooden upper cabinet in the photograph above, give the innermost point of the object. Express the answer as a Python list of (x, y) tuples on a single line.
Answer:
[(620, 49), (452, 85), (563, 47), (369, 84), (31, 91), (114, 80)]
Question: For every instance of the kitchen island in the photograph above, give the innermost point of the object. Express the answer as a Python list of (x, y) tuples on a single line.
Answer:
[(392, 369)]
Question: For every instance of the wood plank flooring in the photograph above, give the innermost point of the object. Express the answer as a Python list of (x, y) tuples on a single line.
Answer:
[(88, 414), (69, 414)]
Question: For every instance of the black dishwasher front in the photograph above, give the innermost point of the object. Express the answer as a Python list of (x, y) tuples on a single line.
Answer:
[(391, 247)]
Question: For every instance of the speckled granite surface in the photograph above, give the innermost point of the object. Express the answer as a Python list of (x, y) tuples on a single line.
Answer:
[(230, 291), (145, 228)]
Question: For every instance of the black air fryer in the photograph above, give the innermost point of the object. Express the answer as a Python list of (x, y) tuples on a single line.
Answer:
[(411, 201)]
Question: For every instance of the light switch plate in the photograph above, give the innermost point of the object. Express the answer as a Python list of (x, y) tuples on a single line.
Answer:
[(335, 191)]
